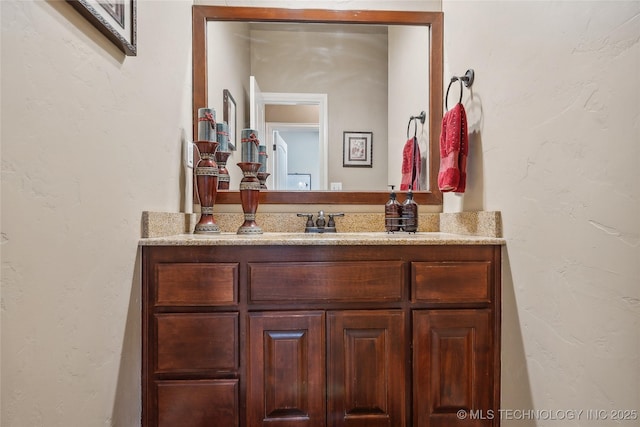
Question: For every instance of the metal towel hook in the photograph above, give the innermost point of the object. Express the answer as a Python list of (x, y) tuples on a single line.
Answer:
[(467, 80)]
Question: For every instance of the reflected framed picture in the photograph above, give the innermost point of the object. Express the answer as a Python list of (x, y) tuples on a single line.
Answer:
[(357, 149), (229, 115), (115, 19)]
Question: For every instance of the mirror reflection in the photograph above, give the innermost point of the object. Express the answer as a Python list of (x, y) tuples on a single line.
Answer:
[(223, 62), (313, 90)]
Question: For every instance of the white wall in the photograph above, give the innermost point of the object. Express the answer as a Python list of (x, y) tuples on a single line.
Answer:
[(303, 153), (555, 120), (354, 77), (408, 60), (90, 139), (229, 63)]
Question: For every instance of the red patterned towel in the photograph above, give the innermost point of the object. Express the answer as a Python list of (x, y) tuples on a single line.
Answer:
[(411, 164), (454, 148)]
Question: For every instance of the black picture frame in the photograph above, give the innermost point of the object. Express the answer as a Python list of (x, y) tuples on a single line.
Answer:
[(229, 115), (357, 149), (115, 19)]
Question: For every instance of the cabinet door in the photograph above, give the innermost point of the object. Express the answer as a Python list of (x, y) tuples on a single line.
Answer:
[(452, 368), (366, 368), (286, 369)]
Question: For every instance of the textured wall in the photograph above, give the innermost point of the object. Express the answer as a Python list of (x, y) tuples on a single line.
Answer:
[(554, 115), (90, 139)]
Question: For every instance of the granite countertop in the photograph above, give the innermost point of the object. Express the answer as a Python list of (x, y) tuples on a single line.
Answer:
[(339, 239), (465, 228)]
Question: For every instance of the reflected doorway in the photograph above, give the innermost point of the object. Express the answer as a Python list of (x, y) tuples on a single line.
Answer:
[(294, 153), (297, 116)]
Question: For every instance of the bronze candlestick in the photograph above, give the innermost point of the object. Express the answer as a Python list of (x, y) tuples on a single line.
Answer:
[(249, 185), (207, 186), (249, 197), (223, 173)]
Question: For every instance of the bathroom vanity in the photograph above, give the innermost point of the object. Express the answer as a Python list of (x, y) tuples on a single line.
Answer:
[(352, 329)]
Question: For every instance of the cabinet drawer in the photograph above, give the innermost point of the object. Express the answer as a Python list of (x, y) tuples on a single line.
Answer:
[(357, 281), (195, 342), (201, 403), (190, 284), (450, 282)]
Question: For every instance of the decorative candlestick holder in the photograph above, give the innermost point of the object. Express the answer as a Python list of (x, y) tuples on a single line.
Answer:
[(262, 177), (224, 179), (206, 170), (249, 196), (207, 186), (250, 184)]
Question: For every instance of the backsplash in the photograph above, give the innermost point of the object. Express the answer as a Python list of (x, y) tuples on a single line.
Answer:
[(488, 224), (478, 223)]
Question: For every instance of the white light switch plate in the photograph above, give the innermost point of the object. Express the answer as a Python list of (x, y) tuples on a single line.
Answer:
[(188, 154), (336, 186)]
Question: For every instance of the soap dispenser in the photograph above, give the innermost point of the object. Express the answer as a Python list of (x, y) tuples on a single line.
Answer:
[(392, 213), (410, 213)]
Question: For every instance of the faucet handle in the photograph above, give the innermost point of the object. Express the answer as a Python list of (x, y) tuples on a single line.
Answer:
[(309, 219), (332, 222)]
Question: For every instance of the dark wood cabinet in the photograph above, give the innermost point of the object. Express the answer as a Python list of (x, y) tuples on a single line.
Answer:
[(321, 335), (366, 368), (286, 369), (194, 403), (452, 367)]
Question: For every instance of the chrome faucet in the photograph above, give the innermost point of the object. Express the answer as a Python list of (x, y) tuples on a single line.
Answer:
[(321, 224)]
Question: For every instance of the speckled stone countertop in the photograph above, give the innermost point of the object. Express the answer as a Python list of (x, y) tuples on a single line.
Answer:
[(338, 239), (467, 228)]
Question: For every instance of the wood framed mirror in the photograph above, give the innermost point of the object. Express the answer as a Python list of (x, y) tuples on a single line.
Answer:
[(432, 20)]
